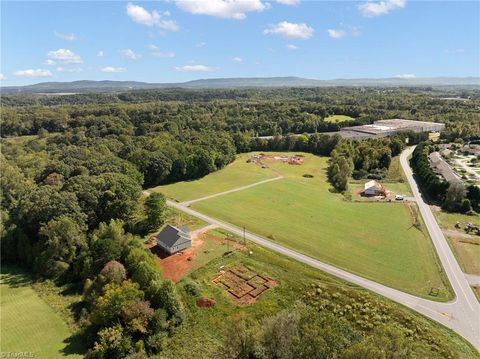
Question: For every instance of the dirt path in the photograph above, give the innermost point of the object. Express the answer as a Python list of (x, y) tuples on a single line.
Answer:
[(456, 234), (188, 203)]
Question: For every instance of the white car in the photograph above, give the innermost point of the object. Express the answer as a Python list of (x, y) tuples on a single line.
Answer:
[(399, 197)]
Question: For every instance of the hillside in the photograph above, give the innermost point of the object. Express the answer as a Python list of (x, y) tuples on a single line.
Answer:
[(86, 86)]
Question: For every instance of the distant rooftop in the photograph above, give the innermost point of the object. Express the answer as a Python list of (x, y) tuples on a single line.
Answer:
[(382, 128)]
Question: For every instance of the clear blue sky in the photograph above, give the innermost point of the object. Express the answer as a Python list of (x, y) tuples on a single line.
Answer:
[(182, 40)]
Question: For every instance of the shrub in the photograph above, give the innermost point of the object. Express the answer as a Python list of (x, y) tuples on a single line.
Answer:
[(192, 289)]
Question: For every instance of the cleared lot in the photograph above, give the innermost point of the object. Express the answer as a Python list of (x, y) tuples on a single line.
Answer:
[(375, 240)]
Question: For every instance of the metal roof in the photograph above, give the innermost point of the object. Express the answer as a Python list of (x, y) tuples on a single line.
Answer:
[(171, 236)]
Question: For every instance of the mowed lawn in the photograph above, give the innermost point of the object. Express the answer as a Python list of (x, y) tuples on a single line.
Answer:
[(375, 240), (237, 174), (28, 324)]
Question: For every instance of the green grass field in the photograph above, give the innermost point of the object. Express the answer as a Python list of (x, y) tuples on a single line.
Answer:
[(28, 324), (237, 174), (375, 240), (338, 118)]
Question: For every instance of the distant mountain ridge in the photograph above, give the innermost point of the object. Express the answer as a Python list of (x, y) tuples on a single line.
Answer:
[(86, 86)]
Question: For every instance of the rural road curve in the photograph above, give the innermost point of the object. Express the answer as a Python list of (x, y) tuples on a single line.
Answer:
[(465, 310), (188, 203), (461, 315)]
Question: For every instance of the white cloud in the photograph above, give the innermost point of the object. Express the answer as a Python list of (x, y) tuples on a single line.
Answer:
[(63, 56), (130, 54), (288, 2), (230, 9), (68, 37), (237, 59), (194, 68), (33, 73), (406, 76), (152, 47), (2, 77), (166, 55), (377, 8), (111, 69), (153, 18), (66, 69), (292, 47), (336, 34), (291, 30), (101, 54), (201, 44)]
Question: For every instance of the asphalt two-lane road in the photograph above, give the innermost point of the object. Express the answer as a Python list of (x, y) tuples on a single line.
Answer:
[(461, 315)]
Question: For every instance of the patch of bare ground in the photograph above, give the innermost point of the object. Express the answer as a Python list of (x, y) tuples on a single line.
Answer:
[(243, 285), (457, 234), (176, 266)]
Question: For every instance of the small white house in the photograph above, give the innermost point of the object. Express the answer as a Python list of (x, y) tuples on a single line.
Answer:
[(172, 239), (372, 188)]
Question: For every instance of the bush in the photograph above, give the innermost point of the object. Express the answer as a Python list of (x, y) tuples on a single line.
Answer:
[(359, 174), (159, 322), (192, 289), (466, 206), (155, 343)]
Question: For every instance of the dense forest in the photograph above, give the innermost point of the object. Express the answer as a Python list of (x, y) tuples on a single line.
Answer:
[(73, 170)]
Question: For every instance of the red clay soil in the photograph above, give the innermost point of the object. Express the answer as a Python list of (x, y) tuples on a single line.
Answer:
[(176, 266), (206, 303), (243, 285)]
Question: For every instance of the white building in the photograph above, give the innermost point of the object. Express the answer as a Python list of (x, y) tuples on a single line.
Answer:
[(172, 239)]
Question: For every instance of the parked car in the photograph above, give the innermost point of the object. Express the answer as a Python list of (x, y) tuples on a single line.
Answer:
[(399, 197)]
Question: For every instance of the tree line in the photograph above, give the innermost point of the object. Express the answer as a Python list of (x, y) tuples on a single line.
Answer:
[(262, 112), (453, 197)]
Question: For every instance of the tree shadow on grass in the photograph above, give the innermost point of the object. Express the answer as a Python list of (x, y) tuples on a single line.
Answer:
[(14, 277), (75, 344)]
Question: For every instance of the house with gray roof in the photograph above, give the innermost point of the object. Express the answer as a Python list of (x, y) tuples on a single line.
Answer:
[(172, 239)]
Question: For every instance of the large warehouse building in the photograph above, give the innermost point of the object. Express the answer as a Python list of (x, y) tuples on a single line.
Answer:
[(383, 128)]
